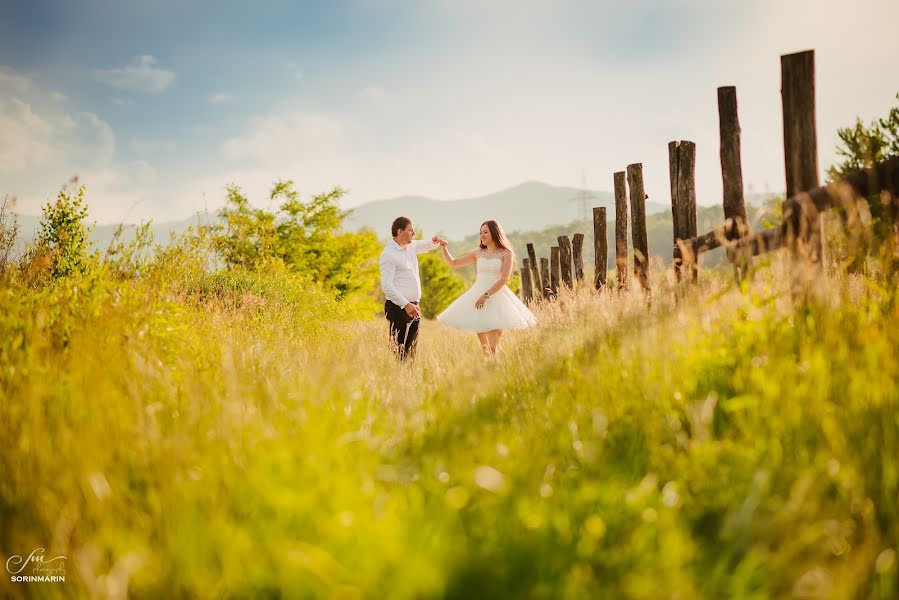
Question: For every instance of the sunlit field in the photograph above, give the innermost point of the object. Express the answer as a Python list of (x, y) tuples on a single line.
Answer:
[(182, 435)]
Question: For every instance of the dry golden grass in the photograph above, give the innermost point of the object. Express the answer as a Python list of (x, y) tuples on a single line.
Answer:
[(715, 442)]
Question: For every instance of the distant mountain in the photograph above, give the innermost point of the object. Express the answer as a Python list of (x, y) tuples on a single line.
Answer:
[(527, 207), (537, 211), (29, 225)]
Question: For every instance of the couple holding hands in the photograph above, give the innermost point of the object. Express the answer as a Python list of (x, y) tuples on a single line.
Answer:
[(487, 308)]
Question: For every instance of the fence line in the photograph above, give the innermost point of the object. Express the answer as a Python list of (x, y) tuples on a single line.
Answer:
[(802, 211)]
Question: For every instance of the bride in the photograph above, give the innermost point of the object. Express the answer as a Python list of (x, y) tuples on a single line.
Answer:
[(488, 306)]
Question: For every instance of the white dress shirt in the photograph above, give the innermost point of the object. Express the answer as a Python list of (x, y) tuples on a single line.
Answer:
[(400, 279)]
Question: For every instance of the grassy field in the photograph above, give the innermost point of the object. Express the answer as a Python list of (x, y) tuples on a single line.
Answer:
[(245, 439)]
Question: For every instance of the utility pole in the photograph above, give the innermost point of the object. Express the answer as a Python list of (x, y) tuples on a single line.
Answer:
[(583, 199)]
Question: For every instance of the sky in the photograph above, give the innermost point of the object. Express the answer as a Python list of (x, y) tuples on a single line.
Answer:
[(158, 105)]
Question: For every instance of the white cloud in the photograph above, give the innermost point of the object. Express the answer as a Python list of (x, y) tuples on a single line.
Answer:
[(43, 148), (139, 76), (152, 146), (58, 97), (321, 150), (284, 138), (311, 148), (120, 192), (100, 138), (10, 80), (375, 95), (221, 98), (538, 91), (27, 136)]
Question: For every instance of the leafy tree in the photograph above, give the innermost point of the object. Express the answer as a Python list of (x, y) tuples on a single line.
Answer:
[(63, 236), (309, 239), (863, 145), (245, 236), (303, 235)]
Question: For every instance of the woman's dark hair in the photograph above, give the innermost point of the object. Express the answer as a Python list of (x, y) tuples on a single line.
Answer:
[(496, 232), (398, 224)]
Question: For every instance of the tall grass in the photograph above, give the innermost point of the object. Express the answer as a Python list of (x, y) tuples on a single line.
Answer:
[(239, 439)]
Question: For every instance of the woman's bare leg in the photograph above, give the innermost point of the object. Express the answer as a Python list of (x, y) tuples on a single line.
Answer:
[(493, 340), (485, 345)]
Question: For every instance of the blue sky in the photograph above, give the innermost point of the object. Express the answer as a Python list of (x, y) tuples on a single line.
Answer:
[(157, 105)]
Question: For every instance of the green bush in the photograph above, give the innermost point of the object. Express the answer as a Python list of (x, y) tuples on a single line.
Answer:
[(304, 236), (63, 236)]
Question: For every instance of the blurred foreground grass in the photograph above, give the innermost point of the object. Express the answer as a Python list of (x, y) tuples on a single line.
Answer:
[(255, 444)]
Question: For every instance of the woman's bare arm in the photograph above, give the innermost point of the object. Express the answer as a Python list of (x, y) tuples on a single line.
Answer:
[(468, 259)]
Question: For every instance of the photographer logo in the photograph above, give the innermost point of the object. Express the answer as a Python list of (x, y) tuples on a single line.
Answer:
[(36, 567)]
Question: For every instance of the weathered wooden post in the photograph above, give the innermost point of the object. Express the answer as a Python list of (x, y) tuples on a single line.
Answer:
[(577, 249), (554, 262), (600, 247), (736, 223), (801, 151), (565, 260), (544, 278), (638, 223), (526, 284), (621, 229), (682, 171), (535, 270)]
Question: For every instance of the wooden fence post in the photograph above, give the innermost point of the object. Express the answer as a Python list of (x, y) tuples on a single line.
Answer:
[(554, 269), (600, 247), (638, 223), (737, 225), (801, 151), (535, 270), (565, 260), (621, 229), (544, 278), (526, 285), (577, 248), (682, 171)]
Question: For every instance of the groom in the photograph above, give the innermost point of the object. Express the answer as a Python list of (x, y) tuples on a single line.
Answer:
[(401, 283)]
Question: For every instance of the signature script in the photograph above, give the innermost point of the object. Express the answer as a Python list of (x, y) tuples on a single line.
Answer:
[(36, 557)]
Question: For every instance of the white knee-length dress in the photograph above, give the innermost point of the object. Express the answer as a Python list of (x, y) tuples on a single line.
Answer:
[(503, 310)]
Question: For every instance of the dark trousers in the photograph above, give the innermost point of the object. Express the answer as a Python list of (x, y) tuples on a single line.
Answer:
[(403, 329)]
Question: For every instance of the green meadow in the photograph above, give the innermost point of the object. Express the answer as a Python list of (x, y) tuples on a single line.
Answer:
[(220, 416), (186, 433)]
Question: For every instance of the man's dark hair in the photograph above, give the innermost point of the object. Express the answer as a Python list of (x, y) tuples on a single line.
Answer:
[(398, 224)]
